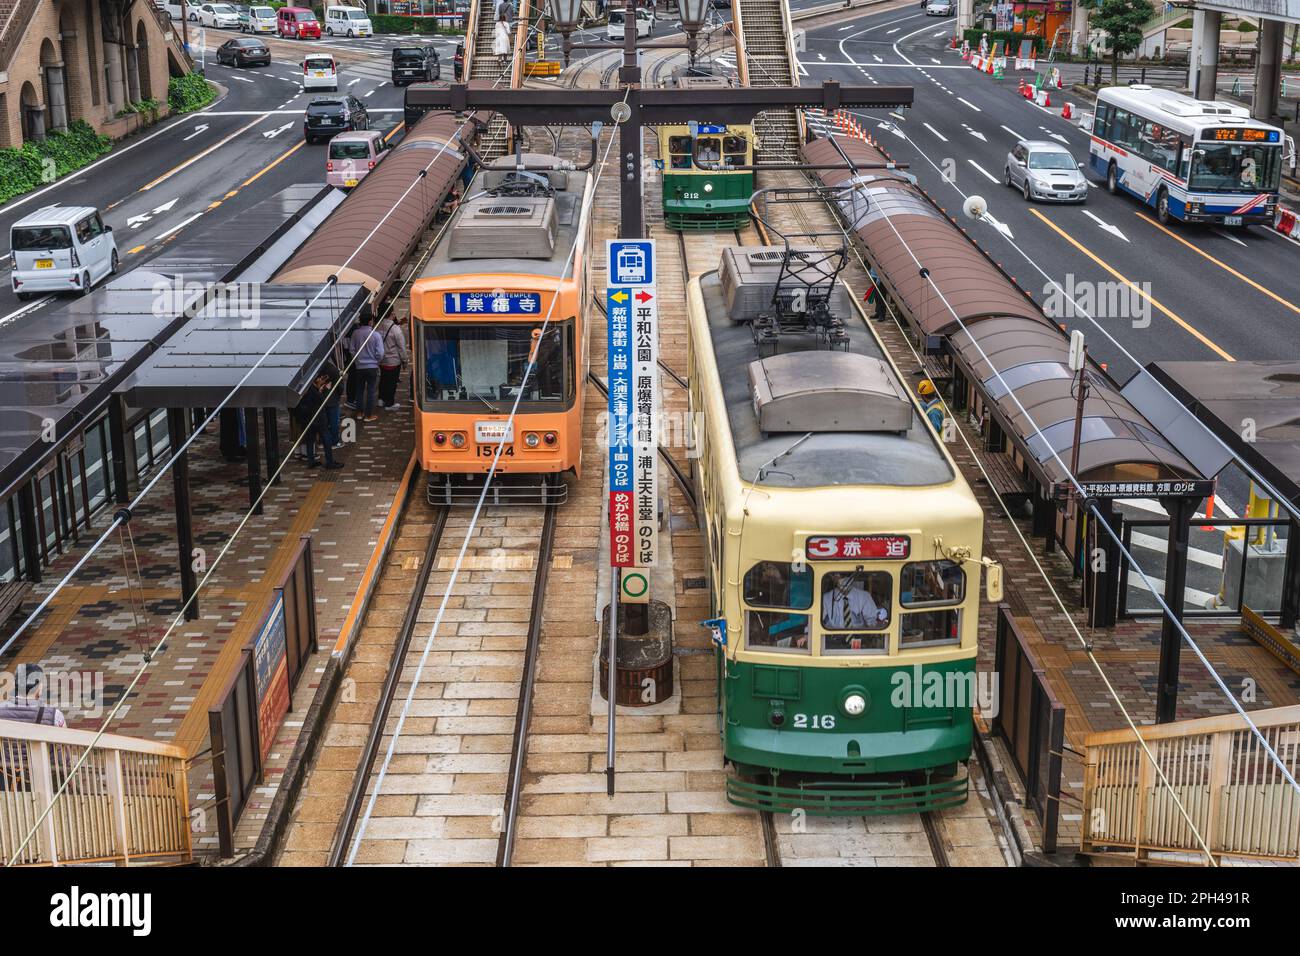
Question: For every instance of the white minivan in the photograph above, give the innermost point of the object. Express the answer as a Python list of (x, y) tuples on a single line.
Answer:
[(347, 21), (320, 72), (645, 24), (60, 249)]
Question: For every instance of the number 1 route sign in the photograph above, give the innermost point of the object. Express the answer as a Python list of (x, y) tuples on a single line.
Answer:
[(632, 312)]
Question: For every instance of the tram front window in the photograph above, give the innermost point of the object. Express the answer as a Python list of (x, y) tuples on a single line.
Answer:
[(734, 149), (931, 582), (708, 149), (855, 599), (679, 148), (485, 364), (928, 629), (778, 585)]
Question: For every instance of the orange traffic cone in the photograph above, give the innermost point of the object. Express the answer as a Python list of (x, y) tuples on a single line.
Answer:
[(1047, 100), (1209, 513), (1021, 91), (1067, 112)]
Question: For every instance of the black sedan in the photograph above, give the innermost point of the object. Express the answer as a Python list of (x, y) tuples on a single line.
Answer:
[(244, 51), (330, 115), (415, 64)]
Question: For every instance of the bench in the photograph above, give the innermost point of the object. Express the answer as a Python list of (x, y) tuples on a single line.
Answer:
[(12, 595), (1007, 478)]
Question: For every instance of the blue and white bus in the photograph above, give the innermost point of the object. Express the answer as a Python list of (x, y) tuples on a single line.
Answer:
[(1189, 159)]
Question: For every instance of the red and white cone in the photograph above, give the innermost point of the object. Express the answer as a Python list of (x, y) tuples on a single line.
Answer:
[(1067, 112)]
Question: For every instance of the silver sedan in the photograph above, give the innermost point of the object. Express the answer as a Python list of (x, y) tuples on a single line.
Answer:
[(1045, 170)]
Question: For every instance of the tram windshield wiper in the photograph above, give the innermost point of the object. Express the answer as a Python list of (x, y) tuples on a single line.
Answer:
[(483, 399)]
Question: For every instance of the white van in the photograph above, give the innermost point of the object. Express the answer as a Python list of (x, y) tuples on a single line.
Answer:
[(347, 21), (60, 249), (320, 72), (645, 24)]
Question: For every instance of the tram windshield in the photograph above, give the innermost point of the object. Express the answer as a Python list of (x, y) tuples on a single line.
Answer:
[(484, 365), (775, 584)]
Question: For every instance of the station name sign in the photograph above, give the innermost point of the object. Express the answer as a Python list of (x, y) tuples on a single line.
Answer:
[(1171, 488)]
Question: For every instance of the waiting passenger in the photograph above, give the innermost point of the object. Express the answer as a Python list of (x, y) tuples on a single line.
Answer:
[(368, 348), (310, 413), (390, 369)]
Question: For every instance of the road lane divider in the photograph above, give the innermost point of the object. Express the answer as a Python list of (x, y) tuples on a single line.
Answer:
[(211, 149), (1172, 316), (1222, 265)]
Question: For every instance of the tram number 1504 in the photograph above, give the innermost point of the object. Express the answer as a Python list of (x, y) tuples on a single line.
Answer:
[(814, 721)]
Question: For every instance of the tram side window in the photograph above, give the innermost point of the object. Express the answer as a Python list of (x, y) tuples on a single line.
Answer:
[(931, 582), (852, 600), (775, 584), (679, 148), (733, 148), (928, 629)]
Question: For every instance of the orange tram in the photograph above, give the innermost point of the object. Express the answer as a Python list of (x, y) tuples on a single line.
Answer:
[(507, 282)]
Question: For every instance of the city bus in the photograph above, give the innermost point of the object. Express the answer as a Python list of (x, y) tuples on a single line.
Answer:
[(1191, 160)]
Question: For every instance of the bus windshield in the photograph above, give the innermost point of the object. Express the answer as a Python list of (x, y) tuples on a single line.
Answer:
[(1236, 167), (484, 364)]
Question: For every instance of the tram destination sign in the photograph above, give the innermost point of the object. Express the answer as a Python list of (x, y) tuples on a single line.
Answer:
[(847, 547), (632, 312), (1167, 488)]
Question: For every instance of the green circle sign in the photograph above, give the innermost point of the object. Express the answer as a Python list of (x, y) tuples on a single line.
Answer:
[(635, 584)]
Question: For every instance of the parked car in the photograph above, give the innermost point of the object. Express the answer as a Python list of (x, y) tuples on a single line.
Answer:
[(1041, 169), (327, 116), (348, 21), (60, 249), (458, 61), (297, 23), (220, 15), (415, 64), (258, 20), (940, 8), (174, 10), (645, 24), (320, 72), (244, 51), (352, 155)]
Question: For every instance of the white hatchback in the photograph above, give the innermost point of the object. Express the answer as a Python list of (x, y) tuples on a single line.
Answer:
[(220, 15), (60, 249), (320, 72), (347, 21)]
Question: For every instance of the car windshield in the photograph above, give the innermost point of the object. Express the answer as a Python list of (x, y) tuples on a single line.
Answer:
[(349, 150), (222, 8), (615, 18), (263, 13), (1052, 159), (355, 15), (485, 364), (1236, 166), (319, 63), (27, 238), (304, 16)]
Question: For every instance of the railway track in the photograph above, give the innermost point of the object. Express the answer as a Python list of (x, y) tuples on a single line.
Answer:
[(478, 678)]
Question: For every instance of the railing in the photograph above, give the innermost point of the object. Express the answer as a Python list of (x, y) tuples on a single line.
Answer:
[(1236, 796), (128, 802), (1031, 721), (13, 29)]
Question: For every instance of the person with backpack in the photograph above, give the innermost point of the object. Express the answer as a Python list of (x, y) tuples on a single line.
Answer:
[(390, 367), (368, 347)]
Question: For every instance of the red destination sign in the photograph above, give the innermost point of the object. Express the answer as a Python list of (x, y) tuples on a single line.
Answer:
[(879, 547)]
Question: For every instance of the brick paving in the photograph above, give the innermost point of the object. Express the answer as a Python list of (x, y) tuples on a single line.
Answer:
[(106, 618)]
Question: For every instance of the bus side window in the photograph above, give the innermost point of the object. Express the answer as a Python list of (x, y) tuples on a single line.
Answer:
[(1101, 121)]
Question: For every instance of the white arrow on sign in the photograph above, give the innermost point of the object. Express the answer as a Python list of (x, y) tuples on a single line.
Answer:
[(1113, 230), (135, 222), (197, 131), (273, 133)]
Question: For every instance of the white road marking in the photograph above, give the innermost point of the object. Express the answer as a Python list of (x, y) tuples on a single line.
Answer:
[(354, 82), (978, 135), (895, 30), (23, 310), (986, 174), (1230, 238), (179, 226), (970, 104), (198, 131), (1113, 230), (1012, 132), (241, 79), (935, 132)]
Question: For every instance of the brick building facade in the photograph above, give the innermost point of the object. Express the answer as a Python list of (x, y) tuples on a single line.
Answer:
[(65, 60)]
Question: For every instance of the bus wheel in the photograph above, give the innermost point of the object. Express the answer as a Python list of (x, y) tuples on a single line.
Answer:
[(1162, 207), (1112, 179)]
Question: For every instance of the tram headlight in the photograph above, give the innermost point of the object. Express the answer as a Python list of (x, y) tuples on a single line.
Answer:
[(708, 187), (531, 440), (855, 705), (776, 716), (457, 440)]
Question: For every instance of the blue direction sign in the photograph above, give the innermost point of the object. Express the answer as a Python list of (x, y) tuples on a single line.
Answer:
[(618, 302)]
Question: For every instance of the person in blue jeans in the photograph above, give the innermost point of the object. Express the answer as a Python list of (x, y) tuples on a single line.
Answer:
[(333, 403), (311, 417), (369, 351)]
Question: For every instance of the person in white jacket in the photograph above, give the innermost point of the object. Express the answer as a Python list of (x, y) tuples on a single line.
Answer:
[(501, 39)]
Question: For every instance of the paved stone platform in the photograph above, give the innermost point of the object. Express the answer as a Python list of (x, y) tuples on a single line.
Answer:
[(110, 614)]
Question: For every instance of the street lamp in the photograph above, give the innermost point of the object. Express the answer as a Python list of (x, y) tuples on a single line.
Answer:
[(565, 15), (692, 13)]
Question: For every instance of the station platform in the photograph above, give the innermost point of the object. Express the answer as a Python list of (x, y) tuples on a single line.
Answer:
[(109, 615)]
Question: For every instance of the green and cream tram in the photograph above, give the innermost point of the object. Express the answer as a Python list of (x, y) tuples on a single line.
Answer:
[(845, 557), (702, 188)]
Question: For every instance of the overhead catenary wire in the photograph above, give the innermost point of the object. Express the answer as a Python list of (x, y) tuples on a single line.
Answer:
[(586, 211), (150, 656), (1073, 480)]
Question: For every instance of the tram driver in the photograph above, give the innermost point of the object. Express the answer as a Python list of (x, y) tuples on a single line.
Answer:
[(848, 605)]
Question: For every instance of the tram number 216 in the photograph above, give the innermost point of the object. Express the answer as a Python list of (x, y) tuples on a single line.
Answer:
[(814, 721)]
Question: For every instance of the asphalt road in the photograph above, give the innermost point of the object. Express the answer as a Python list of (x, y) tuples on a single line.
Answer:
[(207, 166)]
